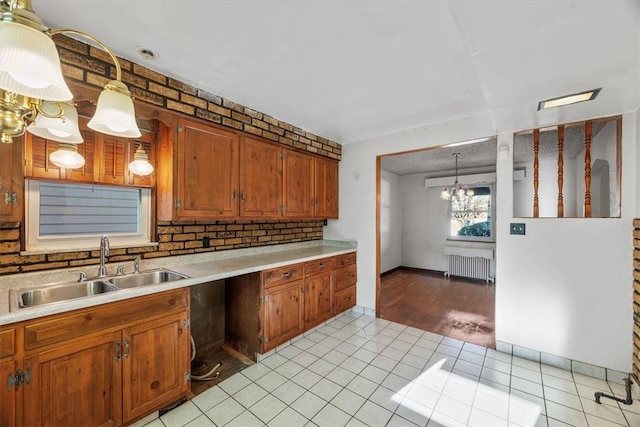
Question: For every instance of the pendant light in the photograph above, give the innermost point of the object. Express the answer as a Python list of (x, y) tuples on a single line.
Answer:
[(140, 164), (456, 192), (67, 156)]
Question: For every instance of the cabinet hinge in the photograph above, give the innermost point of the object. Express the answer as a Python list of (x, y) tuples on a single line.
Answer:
[(282, 155), (18, 379), (264, 340), (178, 204), (187, 323), (179, 129), (264, 298), (281, 208), (187, 377), (10, 198)]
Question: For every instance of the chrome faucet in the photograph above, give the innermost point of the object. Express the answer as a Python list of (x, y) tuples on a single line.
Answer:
[(104, 253)]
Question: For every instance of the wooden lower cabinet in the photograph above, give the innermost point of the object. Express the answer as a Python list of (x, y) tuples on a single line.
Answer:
[(7, 396), (102, 366), (283, 313)]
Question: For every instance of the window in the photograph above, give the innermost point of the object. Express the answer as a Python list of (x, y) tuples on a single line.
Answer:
[(64, 216), (472, 218)]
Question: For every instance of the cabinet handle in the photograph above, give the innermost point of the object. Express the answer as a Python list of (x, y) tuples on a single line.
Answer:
[(235, 196), (243, 196), (347, 298), (127, 348), (118, 350), (321, 265), (286, 274)]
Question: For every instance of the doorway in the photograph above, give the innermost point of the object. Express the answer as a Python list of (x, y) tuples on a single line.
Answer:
[(413, 228)]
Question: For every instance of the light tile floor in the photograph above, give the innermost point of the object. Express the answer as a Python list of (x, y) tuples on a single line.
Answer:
[(361, 371)]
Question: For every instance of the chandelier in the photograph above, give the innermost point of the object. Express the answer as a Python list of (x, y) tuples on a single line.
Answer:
[(456, 192), (34, 96)]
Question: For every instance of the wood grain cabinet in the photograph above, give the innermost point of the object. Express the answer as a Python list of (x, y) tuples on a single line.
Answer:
[(318, 291), (325, 200), (11, 181), (107, 365), (346, 277), (8, 369)]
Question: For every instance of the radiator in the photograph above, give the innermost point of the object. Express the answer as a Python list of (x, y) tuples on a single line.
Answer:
[(473, 267)]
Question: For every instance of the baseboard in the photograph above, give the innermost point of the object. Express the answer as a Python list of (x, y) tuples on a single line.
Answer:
[(415, 269)]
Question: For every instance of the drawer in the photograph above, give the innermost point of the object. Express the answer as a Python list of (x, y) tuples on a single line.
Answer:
[(7, 342), (319, 266), (346, 259), (345, 299), (346, 276), (282, 275), (79, 323)]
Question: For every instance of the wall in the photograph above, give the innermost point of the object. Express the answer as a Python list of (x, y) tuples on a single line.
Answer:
[(564, 288), (390, 222), (93, 67)]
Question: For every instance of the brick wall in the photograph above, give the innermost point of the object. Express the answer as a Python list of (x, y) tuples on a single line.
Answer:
[(93, 67), (636, 299)]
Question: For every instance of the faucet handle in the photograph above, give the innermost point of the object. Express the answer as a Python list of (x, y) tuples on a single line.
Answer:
[(136, 265), (83, 276), (120, 270)]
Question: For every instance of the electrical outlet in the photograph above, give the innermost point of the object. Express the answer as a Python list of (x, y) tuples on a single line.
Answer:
[(517, 228), (206, 242)]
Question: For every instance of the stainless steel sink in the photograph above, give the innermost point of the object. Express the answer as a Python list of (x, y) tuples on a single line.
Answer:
[(145, 278), (59, 292)]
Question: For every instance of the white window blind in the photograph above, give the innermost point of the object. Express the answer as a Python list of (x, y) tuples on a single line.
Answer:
[(64, 216), (70, 209)]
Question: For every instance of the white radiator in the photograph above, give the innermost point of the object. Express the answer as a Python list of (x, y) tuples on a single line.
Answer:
[(473, 263), (470, 267)]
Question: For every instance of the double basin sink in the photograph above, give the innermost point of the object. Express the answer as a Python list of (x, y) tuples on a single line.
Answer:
[(65, 291)]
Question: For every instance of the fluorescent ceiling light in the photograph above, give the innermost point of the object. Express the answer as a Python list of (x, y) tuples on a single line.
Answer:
[(472, 141), (588, 95)]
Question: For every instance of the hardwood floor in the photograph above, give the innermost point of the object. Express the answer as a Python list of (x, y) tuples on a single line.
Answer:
[(454, 307)]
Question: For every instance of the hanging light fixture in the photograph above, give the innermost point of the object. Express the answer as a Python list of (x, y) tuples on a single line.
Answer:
[(67, 156), (31, 75), (62, 129), (140, 164), (456, 191)]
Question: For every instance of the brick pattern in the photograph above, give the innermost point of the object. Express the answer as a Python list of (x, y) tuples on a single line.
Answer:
[(94, 67), (636, 299), (174, 238)]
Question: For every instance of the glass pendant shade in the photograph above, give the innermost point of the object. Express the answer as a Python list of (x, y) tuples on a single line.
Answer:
[(140, 165), (29, 63), (66, 156), (62, 129), (115, 113)]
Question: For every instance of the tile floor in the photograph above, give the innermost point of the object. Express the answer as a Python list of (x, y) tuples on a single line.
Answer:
[(361, 371)]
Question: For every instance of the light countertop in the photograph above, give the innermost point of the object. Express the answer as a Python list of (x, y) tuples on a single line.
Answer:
[(200, 268)]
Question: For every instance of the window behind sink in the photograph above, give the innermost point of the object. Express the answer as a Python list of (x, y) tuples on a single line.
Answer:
[(70, 216)]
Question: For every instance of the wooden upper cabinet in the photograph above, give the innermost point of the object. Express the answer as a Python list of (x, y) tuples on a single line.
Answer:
[(297, 184), (106, 158), (207, 172), (11, 181), (325, 202), (260, 179)]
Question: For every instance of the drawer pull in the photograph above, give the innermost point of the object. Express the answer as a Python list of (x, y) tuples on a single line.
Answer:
[(321, 265), (347, 298), (286, 274)]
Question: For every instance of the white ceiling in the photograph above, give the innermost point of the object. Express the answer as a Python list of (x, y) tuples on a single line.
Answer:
[(352, 70)]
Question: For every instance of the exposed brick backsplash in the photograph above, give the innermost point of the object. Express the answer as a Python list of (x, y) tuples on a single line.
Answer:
[(636, 299), (174, 238), (94, 67)]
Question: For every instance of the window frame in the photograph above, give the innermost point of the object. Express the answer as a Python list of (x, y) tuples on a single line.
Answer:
[(81, 242), (492, 237)]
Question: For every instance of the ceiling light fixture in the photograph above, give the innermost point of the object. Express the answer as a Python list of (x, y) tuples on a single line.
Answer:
[(140, 164), (588, 95), (31, 75), (456, 192)]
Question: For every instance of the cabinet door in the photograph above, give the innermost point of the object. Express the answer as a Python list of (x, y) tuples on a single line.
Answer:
[(297, 184), (7, 397), (207, 172), (325, 202), (156, 361), (318, 299), (283, 313), (77, 384), (260, 179), (11, 181)]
